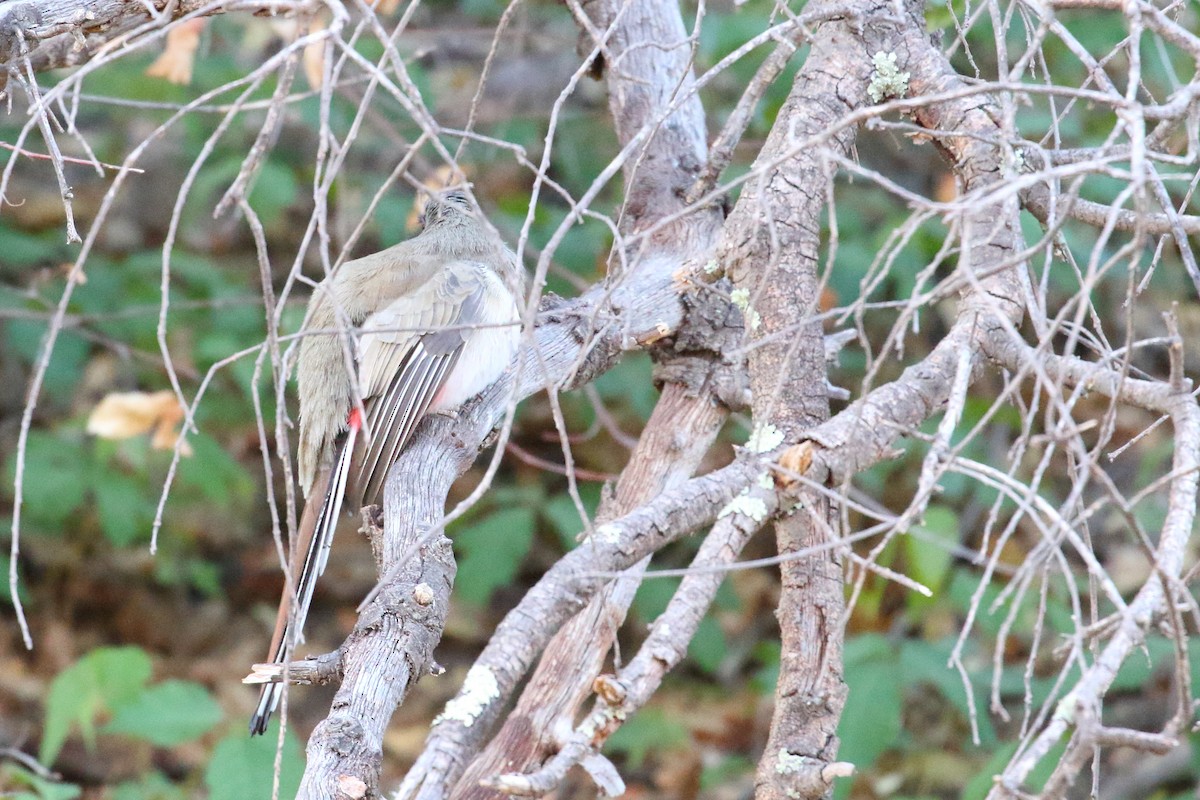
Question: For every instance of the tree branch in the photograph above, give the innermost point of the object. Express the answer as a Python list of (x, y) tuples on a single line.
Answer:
[(562, 591)]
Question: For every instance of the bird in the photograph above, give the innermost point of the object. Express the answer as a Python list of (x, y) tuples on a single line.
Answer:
[(433, 321)]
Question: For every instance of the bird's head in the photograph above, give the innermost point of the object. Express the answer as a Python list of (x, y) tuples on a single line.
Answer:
[(448, 206)]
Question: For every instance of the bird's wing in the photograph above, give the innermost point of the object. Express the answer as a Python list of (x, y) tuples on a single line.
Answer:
[(406, 352)]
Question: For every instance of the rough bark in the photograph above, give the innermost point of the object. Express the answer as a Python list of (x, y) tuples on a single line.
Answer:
[(771, 250), (678, 434), (688, 416), (49, 34)]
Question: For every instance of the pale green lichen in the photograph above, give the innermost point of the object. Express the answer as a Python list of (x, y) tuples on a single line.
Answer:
[(764, 438), (712, 267), (1066, 708), (752, 507), (741, 299), (886, 80), (1018, 159), (788, 762), (479, 689), (765, 481), (607, 533)]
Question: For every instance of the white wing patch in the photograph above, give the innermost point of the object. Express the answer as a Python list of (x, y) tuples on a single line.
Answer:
[(488, 348), (428, 351)]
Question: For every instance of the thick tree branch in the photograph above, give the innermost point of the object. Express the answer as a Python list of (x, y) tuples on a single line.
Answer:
[(647, 60), (49, 34), (771, 250), (621, 695), (562, 591)]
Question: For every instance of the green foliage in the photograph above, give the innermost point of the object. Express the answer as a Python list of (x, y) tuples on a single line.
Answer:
[(243, 767), (766, 677), (21, 784), (5, 564), (111, 682), (629, 384), (26, 337), (923, 662), (715, 775), (23, 249), (96, 684), (984, 781), (217, 476), (871, 717), (64, 470), (649, 730), (563, 516), (151, 786), (927, 546), (170, 713), (708, 647), (491, 551), (56, 479), (93, 496)]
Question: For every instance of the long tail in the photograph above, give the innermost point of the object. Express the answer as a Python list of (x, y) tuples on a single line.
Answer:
[(308, 562)]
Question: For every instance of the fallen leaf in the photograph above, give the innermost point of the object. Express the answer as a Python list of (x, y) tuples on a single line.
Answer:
[(123, 415), (314, 56), (175, 62)]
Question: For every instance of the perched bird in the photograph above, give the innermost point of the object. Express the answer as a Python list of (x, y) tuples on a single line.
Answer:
[(434, 321)]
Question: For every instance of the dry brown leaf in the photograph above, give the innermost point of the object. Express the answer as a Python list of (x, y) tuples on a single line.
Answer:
[(314, 56), (795, 460), (178, 57), (79, 276), (312, 60), (946, 188), (123, 415)]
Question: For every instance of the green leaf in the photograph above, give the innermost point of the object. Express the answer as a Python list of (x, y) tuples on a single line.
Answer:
[(708, 647), (982, 784), (928, 662), (121, 503), (630, 383), (23, 249), (171, 713), (151, 786), (563, 516), (492, 550), (928, 549), (728, 768), (652, 597), (14, 775), (55, 479), (243, 767), (767, 675), (274, 191), (650, 730), (871, 718), (102, 680), (216, 474), (26, 338), (5, 561)]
